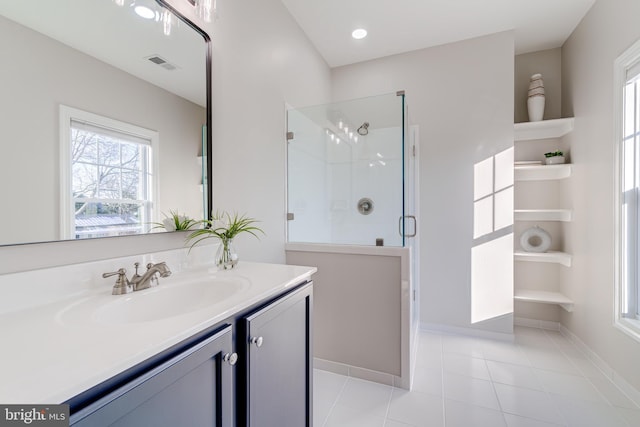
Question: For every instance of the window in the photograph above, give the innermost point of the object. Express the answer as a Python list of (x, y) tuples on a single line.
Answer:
[(107, 176), (627, 138)]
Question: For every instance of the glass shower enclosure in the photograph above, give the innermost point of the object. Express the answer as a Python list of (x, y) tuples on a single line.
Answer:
[(351, 173)]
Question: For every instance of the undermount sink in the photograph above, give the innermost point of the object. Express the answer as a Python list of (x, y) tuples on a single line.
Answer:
[(157, 303)]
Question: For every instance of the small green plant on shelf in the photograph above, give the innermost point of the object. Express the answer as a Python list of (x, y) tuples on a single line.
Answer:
[(554, 154), (554, 158)]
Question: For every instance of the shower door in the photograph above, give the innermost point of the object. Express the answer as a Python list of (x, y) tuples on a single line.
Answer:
[(348, 174)]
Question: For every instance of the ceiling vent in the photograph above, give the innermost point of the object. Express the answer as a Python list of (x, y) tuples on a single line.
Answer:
[(158, 60)]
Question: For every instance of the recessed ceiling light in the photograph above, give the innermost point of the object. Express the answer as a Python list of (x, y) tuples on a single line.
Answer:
[(145, 12), (358, 34)]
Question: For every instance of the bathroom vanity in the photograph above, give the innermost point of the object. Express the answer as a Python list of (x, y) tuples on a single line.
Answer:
[(205, 347)]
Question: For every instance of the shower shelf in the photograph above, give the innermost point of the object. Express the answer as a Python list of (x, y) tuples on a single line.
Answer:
[(544, 297), (551, 257)]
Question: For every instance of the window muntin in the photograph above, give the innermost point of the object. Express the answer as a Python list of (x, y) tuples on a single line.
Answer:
[(109, 189)]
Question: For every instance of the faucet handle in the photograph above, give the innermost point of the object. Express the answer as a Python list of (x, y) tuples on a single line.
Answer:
[(122, 285), (153, 281), (135, 276)]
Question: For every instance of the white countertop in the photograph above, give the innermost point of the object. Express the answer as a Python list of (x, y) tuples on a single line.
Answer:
[(49, 356)]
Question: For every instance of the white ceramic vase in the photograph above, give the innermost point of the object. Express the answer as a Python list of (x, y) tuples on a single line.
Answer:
[(536, 98), (535, 239)]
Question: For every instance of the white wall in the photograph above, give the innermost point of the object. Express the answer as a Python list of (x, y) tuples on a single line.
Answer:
[(261, 58), (461, 97), (609, 28)]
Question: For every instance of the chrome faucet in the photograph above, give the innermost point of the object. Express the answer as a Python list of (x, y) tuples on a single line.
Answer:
[(149, 278), (137, 282)]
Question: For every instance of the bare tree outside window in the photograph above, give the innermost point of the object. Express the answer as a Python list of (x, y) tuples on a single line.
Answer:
[(109, 183)]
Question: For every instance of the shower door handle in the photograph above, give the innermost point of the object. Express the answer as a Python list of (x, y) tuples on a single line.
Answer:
[(415, 225)]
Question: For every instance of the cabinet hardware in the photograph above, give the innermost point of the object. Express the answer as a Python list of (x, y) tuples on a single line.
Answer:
[(257, 341), (231, 358)]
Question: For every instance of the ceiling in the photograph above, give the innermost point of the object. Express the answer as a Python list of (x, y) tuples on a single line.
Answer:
[(116, 35), (397, 26)]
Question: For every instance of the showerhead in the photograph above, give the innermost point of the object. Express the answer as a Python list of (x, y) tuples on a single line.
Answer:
[(364, 129)]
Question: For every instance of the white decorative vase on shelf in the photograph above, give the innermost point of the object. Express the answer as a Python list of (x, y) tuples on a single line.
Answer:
[(536, 98), (535, 239)]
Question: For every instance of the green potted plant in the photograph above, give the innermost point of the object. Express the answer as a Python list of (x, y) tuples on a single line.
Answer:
[(176, 222), (554, 158), (226, 227)]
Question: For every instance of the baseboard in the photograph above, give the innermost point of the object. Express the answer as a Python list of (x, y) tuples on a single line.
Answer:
[(360, 373), (630, 391), (535, 323), (481, 333)]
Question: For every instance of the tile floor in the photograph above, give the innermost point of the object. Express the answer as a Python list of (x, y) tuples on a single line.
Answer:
[(540, 380)]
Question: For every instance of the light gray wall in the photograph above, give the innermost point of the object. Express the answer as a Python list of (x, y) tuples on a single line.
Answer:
[(461, 97), (38, 75), (549, 64), (369, 338), (608, 29), (261, 59)]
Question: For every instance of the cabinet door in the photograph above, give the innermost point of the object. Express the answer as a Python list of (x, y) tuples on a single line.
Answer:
[(193, 388), (278, 369)]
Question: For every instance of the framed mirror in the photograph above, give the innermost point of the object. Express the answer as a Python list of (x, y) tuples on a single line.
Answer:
[(105, 118)]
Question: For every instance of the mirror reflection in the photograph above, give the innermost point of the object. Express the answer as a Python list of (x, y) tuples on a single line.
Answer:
[(102, 113)]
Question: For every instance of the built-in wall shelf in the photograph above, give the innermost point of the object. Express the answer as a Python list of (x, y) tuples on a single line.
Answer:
[(551, 256), (544, 297), (564, 215), (541, 172), (532, 140), (544, 129)]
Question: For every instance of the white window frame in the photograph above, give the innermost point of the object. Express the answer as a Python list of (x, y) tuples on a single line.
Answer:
[(629, 325), (67, 114)]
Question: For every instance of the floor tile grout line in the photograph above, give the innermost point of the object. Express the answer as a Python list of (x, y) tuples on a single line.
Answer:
[(335, 401), (493, 383), (495, 392), (546, 391), (386, 414)]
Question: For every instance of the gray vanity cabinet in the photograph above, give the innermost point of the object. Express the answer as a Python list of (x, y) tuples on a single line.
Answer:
[(277, 360), (193, 388)]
